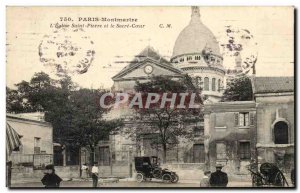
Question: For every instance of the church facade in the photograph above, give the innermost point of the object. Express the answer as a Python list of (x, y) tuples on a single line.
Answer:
[(196, 52), (229, 133)]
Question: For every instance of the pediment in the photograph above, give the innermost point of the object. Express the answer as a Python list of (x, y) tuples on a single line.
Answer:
[(138, 70)]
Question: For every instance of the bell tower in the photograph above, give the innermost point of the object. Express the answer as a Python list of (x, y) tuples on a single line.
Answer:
[(195, 14)]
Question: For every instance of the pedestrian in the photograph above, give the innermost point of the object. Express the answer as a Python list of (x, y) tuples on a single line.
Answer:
[(84, 171), (95, 172), (51, 180), (218, 178), (205, 180)]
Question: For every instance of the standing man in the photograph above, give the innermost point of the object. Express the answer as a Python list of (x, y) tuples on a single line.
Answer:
[(84, 171), (95, 172), (218, 178), (51, 180), (205, 180)]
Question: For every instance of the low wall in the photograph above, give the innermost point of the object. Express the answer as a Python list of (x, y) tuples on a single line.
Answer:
[(68, 171), (28, 174), (24, 174), (121, 171)]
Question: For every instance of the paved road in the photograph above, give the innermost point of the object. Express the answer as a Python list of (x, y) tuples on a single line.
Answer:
[(88, 184)]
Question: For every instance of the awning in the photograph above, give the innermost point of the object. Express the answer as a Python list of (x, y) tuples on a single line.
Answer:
[(12, 140)]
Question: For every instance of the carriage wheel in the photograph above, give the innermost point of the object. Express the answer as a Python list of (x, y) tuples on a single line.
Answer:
[(140, 177), (256, 181), (279, 180), (167, 178), (157, 173), (175, 178)]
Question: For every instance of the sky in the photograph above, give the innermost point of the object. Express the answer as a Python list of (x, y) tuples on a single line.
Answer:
[(32, 42)]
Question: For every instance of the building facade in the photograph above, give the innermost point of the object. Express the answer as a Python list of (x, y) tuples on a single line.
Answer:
[(36, 137), (234, 134), (146, 64), (275, 120), (230, 130), (196, 52)]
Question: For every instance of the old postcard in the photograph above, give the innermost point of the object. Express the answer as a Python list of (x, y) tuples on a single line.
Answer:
[(150, 97)]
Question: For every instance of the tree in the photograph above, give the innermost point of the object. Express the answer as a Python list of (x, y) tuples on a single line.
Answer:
[(166, 124), (87, 126), (238, 89), (74, 113), (43, 94), (36, 95), (13, 101)]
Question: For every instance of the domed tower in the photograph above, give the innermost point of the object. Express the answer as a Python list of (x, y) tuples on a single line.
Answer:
[(197, 53)]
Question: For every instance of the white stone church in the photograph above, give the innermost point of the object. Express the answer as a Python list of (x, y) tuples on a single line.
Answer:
[(228, 131)]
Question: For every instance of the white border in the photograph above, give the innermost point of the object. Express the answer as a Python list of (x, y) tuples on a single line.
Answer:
[(4, 3)]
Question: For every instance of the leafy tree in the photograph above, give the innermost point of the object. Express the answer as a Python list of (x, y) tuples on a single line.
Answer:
[(82, 116), (36, 95), (166, 123), (74, 113), (238, 89), (17, 100), (13, 101)]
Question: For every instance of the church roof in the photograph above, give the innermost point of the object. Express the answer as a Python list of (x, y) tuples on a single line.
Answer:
[(147, 54), (273, 84), (195, 38)]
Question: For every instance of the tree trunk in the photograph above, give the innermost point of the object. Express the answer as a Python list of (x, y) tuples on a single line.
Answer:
[(92, 156), (164, 152), (80, 171)]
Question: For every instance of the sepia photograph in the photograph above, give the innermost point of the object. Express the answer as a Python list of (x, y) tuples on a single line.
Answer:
[(143, 97)]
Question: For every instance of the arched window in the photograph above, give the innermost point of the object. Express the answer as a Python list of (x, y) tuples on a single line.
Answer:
[(197, 57), (213, 84), (206, 83), (281, 133), (219, 85), (198, 81)]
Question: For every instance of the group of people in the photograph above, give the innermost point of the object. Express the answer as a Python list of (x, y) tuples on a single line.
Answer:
[(215, 179), (85, 173)]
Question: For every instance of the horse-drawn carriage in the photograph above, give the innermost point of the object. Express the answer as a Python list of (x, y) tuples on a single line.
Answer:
[(148, 168), (269, 175)]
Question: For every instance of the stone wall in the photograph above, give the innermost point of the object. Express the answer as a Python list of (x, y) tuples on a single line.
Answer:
[(28, 174), (121, 171)]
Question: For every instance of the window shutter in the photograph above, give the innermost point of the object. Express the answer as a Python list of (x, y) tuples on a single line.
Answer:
[(236, 119), (252, 118)]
